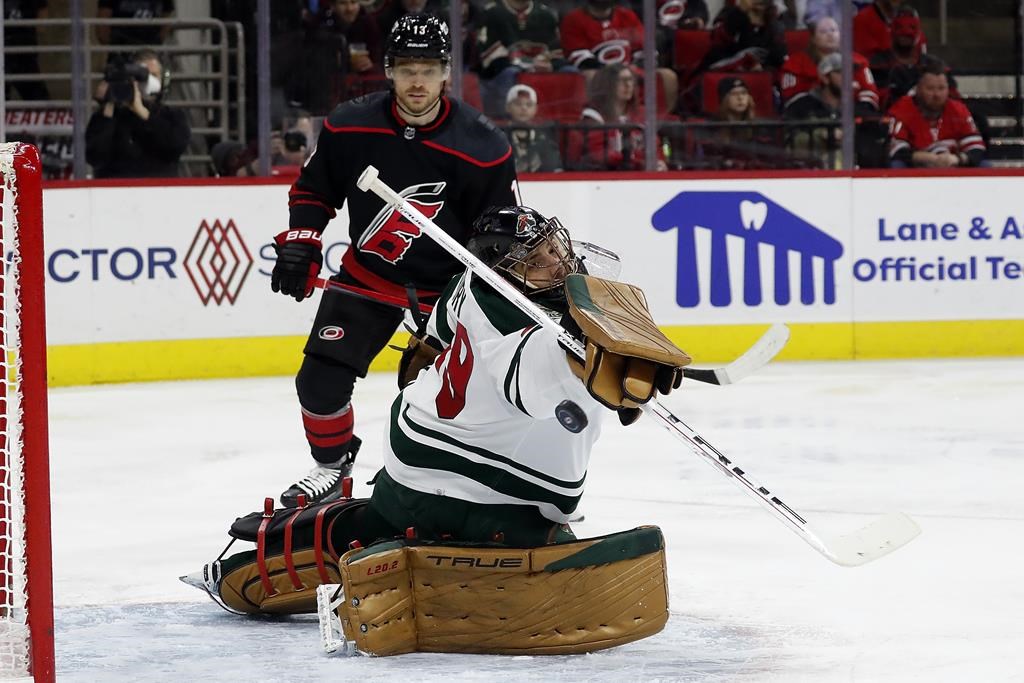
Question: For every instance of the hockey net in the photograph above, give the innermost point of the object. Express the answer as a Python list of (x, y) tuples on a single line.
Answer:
[(26, 603)]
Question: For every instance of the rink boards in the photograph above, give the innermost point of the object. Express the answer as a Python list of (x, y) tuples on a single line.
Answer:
[(166, 281)]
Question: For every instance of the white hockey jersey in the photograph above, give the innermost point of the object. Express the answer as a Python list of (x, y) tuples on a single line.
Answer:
[(479, 424)]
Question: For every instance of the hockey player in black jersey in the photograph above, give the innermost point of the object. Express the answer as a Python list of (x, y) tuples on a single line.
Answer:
[(449, 161)]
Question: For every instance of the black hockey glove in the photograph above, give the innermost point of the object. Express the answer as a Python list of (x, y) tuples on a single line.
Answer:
[(299, 259)]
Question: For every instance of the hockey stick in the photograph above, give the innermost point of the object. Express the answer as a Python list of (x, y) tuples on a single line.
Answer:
[(367, 294), (753, 359), (878, 538)]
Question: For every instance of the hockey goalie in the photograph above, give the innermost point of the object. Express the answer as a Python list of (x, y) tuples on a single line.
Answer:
[(464, 544)]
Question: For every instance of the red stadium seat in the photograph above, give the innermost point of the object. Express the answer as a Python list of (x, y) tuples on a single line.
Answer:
[(471, 90), (662, 106), (691, 46), (560, 96), (759, 83), (797, 41)]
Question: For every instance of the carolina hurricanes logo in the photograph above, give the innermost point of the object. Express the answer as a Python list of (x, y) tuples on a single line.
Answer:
[(390, 234), (331, 333), (613, 51)]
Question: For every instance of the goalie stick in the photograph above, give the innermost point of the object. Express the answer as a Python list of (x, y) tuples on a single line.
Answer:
[(752, 360), (871, 542)]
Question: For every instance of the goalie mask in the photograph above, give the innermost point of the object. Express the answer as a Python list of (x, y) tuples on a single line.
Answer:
[(531, 251)]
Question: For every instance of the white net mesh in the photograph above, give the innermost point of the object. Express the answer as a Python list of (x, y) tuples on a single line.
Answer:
[(13, 627)]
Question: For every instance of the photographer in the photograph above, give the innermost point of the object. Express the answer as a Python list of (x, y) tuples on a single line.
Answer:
[(133, 135)]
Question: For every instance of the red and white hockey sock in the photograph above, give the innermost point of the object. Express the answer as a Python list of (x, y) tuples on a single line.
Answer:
[(329, 436)]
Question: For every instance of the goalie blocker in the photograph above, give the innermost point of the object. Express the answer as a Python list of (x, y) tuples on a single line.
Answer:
[(405, 595)]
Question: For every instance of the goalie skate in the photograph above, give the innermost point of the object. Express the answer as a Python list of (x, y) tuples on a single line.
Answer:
[(208, 580)]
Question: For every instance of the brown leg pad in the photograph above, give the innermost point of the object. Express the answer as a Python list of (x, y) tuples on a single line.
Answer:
[(559, 599)]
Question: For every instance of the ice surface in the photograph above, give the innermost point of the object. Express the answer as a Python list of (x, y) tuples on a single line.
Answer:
[(147, 478)]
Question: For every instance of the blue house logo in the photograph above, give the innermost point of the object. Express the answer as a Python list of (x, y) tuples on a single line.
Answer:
[(756, 220)]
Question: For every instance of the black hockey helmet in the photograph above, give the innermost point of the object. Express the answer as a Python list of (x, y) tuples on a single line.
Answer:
[(507, 239), (421, 36)]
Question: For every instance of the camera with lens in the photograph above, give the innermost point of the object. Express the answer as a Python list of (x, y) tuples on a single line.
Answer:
[(119, 77), (294, 140)]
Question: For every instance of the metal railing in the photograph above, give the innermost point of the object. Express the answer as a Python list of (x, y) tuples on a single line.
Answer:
[(692, 145), (212, 93)]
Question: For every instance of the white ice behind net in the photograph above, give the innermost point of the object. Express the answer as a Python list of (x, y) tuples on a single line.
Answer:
[(13, 627)]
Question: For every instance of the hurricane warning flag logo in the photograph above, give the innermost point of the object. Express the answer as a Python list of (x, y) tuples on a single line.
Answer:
[(764, 227), (218, 262), (390, 234)]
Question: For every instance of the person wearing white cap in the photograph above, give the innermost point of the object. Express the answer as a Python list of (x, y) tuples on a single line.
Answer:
[(533, 146), (521, 103)]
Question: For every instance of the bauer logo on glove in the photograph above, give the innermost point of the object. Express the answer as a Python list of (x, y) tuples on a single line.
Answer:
[(299, 259)]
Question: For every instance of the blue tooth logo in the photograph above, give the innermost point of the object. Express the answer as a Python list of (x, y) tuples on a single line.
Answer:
[(756, 220)]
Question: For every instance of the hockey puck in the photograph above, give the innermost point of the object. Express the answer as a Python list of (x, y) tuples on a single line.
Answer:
[(571, 416)]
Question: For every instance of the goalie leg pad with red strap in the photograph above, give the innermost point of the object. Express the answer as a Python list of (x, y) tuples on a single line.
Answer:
[(296, 551)]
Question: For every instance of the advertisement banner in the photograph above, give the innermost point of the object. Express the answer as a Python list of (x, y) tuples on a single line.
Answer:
[(851, 260)]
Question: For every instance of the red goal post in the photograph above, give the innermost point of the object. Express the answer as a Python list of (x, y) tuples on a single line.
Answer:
[(26, 575)]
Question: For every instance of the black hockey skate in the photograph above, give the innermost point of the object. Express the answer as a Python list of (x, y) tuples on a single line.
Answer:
[(323, 483)]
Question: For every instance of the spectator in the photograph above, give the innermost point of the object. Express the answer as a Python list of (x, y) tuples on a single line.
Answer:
[(232, 159), (133, 36), (534, 148), (800, 70), (20, 64), (365, 45), (516, 36), (896, 70), (672, 16), (815, 10), (290, 146), (677, 14), (601, 33), (613, 101), (746, 36), (872, 29), (133, 134), (821, 103), (932, 130), (735, 103), (732, 145)]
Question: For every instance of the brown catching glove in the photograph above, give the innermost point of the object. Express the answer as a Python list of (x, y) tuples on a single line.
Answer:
[(628, 357), (420, 353)]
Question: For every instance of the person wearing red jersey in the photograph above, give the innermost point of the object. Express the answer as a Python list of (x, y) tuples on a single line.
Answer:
[(896, 70), (618, 143), (601, 33), (443, 157), (931, 130), (800, 70), (746, 36), (872, 29)]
